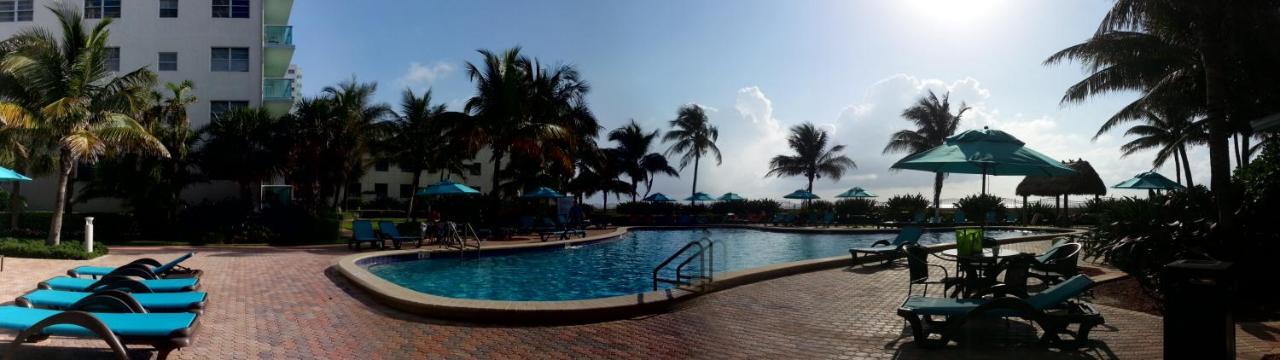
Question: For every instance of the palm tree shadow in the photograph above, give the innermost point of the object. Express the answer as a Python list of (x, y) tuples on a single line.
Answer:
[(1260, 331), (996, 338)]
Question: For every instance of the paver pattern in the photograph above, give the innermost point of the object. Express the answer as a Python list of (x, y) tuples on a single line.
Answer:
[(269, 303)]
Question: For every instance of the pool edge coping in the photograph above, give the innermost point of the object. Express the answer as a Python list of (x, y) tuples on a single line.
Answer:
[(598, 309)]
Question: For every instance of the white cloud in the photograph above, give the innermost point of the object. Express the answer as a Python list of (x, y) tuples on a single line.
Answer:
[(422, 75)]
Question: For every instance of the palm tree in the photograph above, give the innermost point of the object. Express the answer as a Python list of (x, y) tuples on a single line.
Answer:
[(313, 139), (358, 116), (653, 165), (415, 142), (692, 136), (633, 149), (81, 104), (242, 146), (812, 159), (934, 123), (1169, 132)]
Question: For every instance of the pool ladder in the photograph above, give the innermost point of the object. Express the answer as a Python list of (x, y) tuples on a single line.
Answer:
[(459, 236), (703, 252)]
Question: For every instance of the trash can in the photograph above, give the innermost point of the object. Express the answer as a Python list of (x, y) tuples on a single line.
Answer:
[(1197, 319)]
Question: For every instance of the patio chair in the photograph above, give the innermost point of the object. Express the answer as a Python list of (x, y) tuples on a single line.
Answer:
[(1053, 310), (120, 283), (959, 217), (389, 231), (1016, 270), (123, 323), (154, 302), (918, 271), (146, 267), (889, 248), (362, 232), (1057, 263)]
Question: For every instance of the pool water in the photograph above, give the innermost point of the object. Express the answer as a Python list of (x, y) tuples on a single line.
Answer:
[(621, 266)]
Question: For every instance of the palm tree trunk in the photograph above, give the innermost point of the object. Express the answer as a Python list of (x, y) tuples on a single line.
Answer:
[(15, 205), (413, 196), (696, 158), (635, 187), (810, 190), (1213, 59), (1186, 165), (1235, 147), (60, 202), (937, 195), (493, 190), (1177, 169), (1244, 147)]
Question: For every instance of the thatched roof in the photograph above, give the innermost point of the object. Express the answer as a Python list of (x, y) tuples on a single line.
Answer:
[(1085, 182)]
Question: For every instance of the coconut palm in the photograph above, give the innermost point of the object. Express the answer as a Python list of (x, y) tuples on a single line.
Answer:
[(633, 150), (655, 164), (82, 104), (358, 116), (692, 136), (934, 123), (242, 146), (412, 139), (1169, 132), (813, 160)]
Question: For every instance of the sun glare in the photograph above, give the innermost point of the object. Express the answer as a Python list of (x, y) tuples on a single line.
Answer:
[(954, 11)]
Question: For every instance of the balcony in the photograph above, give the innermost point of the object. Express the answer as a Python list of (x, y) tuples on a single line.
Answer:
[(276, 12), (277, 43), (277, 95)]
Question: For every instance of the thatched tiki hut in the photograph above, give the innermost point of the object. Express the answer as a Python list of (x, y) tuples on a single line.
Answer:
[(1084, 182)]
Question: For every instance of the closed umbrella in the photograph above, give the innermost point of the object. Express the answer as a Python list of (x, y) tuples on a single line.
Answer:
[(10, 175), (856, 192), (731, 197)]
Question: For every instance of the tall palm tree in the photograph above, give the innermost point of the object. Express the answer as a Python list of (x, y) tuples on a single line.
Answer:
[(358, 116), (692, 136), (934, 123), (655, 164), (242, 146), (313, 139), (415, 142), (633, 149), (85, 106), (813, 159), (1169, 132)]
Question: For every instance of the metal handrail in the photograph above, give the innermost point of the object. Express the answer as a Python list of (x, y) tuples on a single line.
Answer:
[(704, 254), (673, 257)]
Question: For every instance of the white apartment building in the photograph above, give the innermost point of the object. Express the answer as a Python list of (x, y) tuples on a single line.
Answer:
[(237, 52), (386, 180)]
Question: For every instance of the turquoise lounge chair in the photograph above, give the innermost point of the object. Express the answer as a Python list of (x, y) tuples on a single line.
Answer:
[(389, 231), (120, 283), (889, 248), (153, 302), (959, 218), (146, 268), (1051, 309), (362, 232), (124, 325)]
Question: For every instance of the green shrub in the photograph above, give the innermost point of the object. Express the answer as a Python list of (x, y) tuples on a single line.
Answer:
[(975, 207), (856, 207), (1046, 212), (903, 207), (36, 249)]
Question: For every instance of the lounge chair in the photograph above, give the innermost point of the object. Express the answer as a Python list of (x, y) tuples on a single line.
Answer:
[(146, 267), (959, 218), (1052, 309), (125, 323), (990, 218), (154, 302), (389, 231), (120, 283), (889, 248), (1057, 263), (828, 219), (362, 232), (1011, 218)]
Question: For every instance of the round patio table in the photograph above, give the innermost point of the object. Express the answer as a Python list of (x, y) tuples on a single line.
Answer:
[(986, 252), (977, 271)]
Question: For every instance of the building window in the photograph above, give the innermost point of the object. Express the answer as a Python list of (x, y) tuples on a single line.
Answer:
[(231, 9), (380, 191), (475, 169), (168, 61), (113, 58), (406, 191), (13, 11), (101, 9), (218, 107), (230, 59), (381, 165), (168, 8)]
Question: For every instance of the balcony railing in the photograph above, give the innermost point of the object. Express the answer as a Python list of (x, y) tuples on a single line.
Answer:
[(277, 90), (278, 35)]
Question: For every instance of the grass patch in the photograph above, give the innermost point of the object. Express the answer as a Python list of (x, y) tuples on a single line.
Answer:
[(36, 249)]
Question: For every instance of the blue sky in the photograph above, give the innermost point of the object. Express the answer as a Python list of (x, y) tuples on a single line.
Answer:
[(762, 66)]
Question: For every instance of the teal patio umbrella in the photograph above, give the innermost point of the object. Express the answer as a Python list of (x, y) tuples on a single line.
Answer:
[(10, 175), (856, 192), (658, 197), (447, 188), (700, 196), (731, 197), (1150, 180), (801, 195), (542, 192)]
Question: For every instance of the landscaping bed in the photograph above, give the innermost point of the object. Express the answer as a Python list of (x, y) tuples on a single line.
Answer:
[(36, 249)]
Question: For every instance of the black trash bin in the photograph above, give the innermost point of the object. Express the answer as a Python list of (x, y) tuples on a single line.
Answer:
[(1197, 320)]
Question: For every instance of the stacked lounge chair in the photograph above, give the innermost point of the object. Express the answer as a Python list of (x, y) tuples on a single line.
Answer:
[(889, 248), (143, 308)]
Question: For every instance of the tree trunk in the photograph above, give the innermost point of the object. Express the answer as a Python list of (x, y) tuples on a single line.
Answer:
[(413, 196), (1235, 147), (1213, 59), (15, 205), (937, 195), (1177, 169), (696, 158), (493, 190), (60, 201), (1244, 147), (635, 187), (810, 190), (1186, 165)]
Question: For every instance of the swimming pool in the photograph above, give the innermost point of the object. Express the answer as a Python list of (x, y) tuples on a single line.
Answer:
[(621, 266)]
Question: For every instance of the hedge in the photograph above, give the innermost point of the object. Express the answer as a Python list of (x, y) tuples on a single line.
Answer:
[(36, 249)]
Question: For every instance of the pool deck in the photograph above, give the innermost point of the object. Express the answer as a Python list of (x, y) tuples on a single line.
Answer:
[(290, 304)]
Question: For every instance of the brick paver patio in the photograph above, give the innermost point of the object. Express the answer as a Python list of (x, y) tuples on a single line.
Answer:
[(288, 304)]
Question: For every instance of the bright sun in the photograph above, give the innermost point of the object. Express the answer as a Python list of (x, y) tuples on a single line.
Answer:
[(954, 11)]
